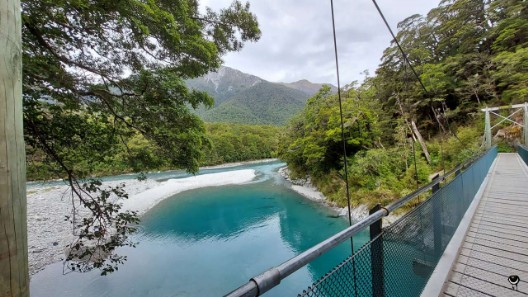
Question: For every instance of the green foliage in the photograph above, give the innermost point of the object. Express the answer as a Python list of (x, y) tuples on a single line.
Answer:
[(264, 103), (452, 151), (382, 175), (225, 143), (99, 73), (467, 53), (237, 142), (376, 174), (504, 147), (312, 143), (512, 75)]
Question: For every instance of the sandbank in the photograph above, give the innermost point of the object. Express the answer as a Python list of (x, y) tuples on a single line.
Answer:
[(47, 206), (144, 201)]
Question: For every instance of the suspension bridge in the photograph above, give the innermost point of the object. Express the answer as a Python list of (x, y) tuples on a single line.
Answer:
[(469, 237)]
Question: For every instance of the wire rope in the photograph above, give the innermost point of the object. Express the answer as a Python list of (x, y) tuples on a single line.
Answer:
[(406, 59), (343, 140), (400, 47), (341, 115)]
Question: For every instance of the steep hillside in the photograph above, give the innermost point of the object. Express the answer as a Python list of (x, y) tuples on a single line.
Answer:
[(224, 84), (248, 99), (264, 103)]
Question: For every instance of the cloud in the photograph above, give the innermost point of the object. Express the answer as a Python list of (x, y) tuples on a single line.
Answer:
[(297, 40)]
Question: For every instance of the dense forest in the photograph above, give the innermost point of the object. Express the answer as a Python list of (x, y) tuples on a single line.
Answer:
[(225, 143), (466, 54)]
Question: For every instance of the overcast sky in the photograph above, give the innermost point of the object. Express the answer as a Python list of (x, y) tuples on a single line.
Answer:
[(297, 42)]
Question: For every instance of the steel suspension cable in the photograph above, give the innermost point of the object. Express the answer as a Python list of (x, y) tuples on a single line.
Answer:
[(406, 59), (341, 115), (400, 47), (343, 141)]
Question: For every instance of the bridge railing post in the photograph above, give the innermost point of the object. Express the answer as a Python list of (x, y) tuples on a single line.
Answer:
[(437, 219), (487, 128), (525, 124), (376, 255)]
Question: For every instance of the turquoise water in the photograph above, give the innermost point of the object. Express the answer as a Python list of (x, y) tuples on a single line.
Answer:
[(207, 242), (157, 176)]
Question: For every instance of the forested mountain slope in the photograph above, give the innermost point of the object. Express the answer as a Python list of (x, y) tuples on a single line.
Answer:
[(247, 99), (264, 103), (224, 83), (468, 53)]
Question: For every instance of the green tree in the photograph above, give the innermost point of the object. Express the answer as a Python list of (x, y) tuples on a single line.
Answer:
[(238, 142), (98, 72), (512, 75), (312, 143), (510, 26)]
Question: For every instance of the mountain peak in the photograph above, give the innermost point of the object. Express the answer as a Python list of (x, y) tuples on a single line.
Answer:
[(304, 81), (308, 87), (224, 83), (245, 98)]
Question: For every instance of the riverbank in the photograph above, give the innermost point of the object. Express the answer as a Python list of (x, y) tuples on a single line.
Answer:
[(41, 183), (48, 230), (145, 200), (305, 188), (235, 164), (47, 206)]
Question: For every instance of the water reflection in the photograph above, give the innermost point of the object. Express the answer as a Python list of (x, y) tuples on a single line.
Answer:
[(302, 230)]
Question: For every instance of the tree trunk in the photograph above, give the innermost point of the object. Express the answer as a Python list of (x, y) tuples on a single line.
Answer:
[(476, 95), (437, 118), (14, 276), (405, 117), (422, 142)]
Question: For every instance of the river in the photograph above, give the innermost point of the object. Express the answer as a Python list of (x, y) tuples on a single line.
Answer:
[(208, 241)]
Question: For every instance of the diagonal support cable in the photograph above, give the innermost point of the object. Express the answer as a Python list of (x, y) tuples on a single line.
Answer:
[(400, 47)]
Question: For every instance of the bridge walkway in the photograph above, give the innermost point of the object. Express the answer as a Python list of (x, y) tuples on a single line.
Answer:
[(496, 243)]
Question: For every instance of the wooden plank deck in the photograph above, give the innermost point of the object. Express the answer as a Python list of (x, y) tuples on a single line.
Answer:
[(496, 245)]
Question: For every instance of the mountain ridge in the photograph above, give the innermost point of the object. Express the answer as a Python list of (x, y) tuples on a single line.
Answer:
[(248, 99), (308, 87)]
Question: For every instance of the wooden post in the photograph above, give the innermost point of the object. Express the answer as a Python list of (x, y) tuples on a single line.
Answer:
[(14, 276), (376, 256)]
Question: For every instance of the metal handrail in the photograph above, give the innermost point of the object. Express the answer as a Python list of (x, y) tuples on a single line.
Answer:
[(522, 151), (267, 280)]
